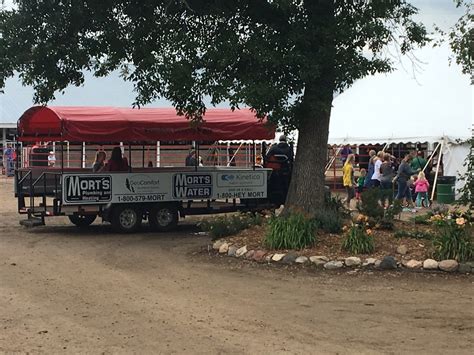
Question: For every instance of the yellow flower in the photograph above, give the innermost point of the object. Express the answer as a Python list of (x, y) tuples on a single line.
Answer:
[(460, 221), (369, 231)]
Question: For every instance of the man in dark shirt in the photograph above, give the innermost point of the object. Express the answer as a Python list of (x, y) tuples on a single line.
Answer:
[(282, 148), (191, 158)]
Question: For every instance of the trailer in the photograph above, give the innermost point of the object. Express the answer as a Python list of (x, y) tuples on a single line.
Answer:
[(160, 195)]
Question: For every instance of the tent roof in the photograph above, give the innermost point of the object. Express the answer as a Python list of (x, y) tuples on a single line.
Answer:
[(112, 124)]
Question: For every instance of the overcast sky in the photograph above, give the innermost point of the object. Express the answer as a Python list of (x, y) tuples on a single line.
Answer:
[(433, 81)]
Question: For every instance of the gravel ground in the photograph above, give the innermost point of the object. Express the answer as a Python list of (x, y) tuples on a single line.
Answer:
[(65, 290)]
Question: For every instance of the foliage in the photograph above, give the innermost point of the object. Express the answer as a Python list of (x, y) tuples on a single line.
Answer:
[(467, 191), (422, 218), (292, 231), (378, 216), (369, 204), (222, 226), (358, 238), (413, 234), (330, 221), (336, 204), (454, 236)]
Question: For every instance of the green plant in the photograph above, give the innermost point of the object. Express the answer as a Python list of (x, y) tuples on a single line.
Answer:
[(226, 225), (422, 219), (454, 237), (358, 239), (336, 204), (414, 235), (329, 220), (293, 231), (370, 205)]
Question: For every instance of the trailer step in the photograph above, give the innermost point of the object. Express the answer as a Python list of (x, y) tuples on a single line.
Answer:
[(32, 222)]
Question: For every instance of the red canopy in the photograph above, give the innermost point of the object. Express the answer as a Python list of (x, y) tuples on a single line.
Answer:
[(112, 124)]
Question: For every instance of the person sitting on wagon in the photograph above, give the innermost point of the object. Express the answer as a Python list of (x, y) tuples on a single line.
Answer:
[(116, 161), (99, 162), (191, 158), (282, 148)]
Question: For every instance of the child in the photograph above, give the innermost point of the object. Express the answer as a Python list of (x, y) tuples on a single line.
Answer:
[(360, 183), (421, 188)]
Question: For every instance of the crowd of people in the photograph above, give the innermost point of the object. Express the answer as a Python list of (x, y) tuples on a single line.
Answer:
[(394, 178)]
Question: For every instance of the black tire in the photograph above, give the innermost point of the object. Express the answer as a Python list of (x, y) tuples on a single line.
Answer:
[(82, 220), (126, 218), (163, 217)]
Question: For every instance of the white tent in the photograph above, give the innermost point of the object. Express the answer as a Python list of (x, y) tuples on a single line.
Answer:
[(433, 104)]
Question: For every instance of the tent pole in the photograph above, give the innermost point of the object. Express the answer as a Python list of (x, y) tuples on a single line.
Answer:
[(431, 157), (158, 152), (440, 154)]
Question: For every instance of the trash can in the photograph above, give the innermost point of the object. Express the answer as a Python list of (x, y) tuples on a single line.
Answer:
[(446, 189)]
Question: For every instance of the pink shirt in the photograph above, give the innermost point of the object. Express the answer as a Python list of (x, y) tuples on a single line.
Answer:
[(422, 185)]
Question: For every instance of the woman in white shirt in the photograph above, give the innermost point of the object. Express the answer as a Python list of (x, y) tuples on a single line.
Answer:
[(376, 176)]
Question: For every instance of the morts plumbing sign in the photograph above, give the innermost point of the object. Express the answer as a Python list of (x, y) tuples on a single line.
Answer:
[(82, 189)]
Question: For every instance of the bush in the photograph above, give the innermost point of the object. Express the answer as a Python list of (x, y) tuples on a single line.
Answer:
[(358, 239), (223, 226), (294, 231), (454, 236), (335, 204), (330, 221), (369, 205)]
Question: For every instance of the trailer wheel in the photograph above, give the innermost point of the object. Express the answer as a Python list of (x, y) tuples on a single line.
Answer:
[(163, 217), (82, 220), (126, 218)]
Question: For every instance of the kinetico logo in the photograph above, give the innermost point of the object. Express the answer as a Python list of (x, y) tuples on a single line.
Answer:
[(192, 186)]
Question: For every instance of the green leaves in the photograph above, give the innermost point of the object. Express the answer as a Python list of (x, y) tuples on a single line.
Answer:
[(358, 241), (258, 53), (294, 231)]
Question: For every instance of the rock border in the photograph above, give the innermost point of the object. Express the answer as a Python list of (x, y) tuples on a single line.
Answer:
[(389, 262)]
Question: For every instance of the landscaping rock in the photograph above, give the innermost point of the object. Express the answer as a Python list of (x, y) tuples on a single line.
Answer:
[(268, 257), (448, 265), (318, 260), (301, 260), (277, 257), (259, 255), (217, 244), (352, 261), (224, 248), (241, 251), (249, 254), (388, 263), (232, 250), (402, 249), (331, 265), (430, 264), (377, 263), (289, 259), (464, 268), (414, 264), (369, 262)]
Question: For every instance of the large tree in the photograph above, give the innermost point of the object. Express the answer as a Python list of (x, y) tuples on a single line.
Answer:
[(285, 58)]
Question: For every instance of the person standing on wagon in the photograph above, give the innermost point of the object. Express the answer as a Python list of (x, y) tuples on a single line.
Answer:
[(116, 161)]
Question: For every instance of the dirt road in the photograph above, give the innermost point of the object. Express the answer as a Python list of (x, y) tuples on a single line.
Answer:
[(63, 290)]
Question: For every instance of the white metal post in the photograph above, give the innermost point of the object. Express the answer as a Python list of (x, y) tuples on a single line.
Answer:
[(158, 153), (440, 156)]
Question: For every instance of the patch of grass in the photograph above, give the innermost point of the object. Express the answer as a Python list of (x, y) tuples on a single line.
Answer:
[(422, 219), (414, 234), (293, 231), (223, 226), (453, 242), (358, 240)]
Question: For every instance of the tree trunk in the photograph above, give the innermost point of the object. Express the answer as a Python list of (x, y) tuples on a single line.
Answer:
[(308, 179), (306, 190)]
